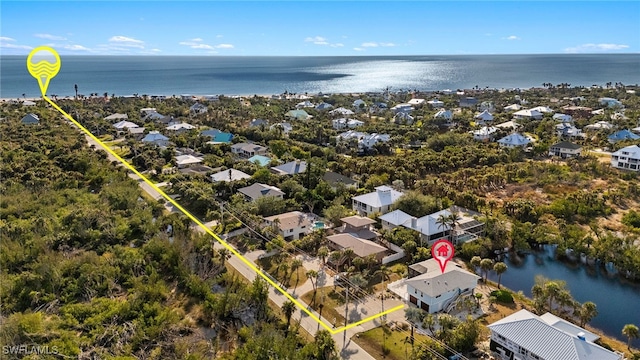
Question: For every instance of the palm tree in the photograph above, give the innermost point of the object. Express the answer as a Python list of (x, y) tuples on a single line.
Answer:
[(475, 262), (76, 88), (323, 253), (453, 220), (348, 254), (499, 268), (325, 344), (551, 291), (312, 275), (414, 316), (486, 265), (428, 322), (287, 309), (385, 275), (587, 312), (443, 222), (631, 332), (295, 264)]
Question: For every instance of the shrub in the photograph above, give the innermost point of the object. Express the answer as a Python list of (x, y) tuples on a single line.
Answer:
[(503, 296)]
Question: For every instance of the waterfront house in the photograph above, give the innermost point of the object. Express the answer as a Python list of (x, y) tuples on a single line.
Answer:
[(565, 150), (292, 225), (257, 191), (246, 150), (290, 168), (627, 158), (30, 119), (229, 175), (526, 336), (379, 201), (514, 140), (432, 290)]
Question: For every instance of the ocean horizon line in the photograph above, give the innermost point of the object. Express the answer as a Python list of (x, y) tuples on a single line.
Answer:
[(330, 56)]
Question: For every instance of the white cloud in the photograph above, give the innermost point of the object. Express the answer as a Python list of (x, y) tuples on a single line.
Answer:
[(196, 40), (224, 46), (6, 43), (358, 49), (376, 44), (337, 45), (198, 44), (512, 37), (4, 38), (318, 40), (75, 48), (127, 41), (155, 50), (49, 37), (369, 44), (596, 48)]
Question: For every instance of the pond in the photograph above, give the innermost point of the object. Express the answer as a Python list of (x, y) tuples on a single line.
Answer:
[(617, 300)]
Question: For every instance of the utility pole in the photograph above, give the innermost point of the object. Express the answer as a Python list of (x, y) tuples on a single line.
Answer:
[(346, 312)]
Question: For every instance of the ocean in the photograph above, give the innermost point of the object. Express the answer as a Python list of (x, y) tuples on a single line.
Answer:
[(216, 75)]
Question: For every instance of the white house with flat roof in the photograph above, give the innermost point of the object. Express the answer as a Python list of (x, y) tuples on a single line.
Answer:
[(379, 201), (526, 336)]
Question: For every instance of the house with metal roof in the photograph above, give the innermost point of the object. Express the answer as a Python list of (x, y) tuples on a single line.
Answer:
[(484, 116), (184, 161), (198, 108), (343, 123), (379, 201), (229, 175), (622, 135), (30, 119), (247, 150), (341, 112), (154, 137), (298, 115), (180, 127), (116, 117), (514, 140), (434, 290), (528, 114), (257, 191), (485, 133), (565, 150), (526, 336), (123, 125), (290, 168)]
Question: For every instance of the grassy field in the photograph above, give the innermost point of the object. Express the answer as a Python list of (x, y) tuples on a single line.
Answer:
[(397, 343), (332, 300)]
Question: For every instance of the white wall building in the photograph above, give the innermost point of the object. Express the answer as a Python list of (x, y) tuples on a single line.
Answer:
[(379, 201), (627, 158)]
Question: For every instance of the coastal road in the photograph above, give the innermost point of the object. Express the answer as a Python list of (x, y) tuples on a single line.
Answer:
[(350, 351)]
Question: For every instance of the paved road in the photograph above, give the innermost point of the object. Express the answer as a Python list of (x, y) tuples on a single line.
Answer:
[(350, 351)]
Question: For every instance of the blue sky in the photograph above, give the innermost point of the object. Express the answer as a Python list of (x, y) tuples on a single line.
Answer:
[(331, 28)]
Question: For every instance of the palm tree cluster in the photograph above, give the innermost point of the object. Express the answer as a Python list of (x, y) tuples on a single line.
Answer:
[(554, 297)]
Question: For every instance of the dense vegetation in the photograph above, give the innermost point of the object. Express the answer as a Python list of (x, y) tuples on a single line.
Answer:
[(89, 269)]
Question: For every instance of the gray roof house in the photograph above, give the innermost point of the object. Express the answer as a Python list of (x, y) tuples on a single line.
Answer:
[(290, 168), (30, 119), (116, 117), (154, 137), (379, 201), (545, 337), (257, 190)]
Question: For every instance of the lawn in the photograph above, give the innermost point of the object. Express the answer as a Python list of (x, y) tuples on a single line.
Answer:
[(332, 299), (289, 280), (397, 343)]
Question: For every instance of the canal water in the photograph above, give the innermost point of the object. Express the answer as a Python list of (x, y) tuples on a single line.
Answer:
[(617, 301)]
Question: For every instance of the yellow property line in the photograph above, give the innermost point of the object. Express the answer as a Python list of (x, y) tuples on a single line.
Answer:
[(302, 306)]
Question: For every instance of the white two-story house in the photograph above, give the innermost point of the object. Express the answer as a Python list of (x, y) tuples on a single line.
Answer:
[(379, 201), (627, 158)]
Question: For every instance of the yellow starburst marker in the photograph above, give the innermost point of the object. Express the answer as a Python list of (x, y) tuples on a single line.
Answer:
[(43, 64)]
